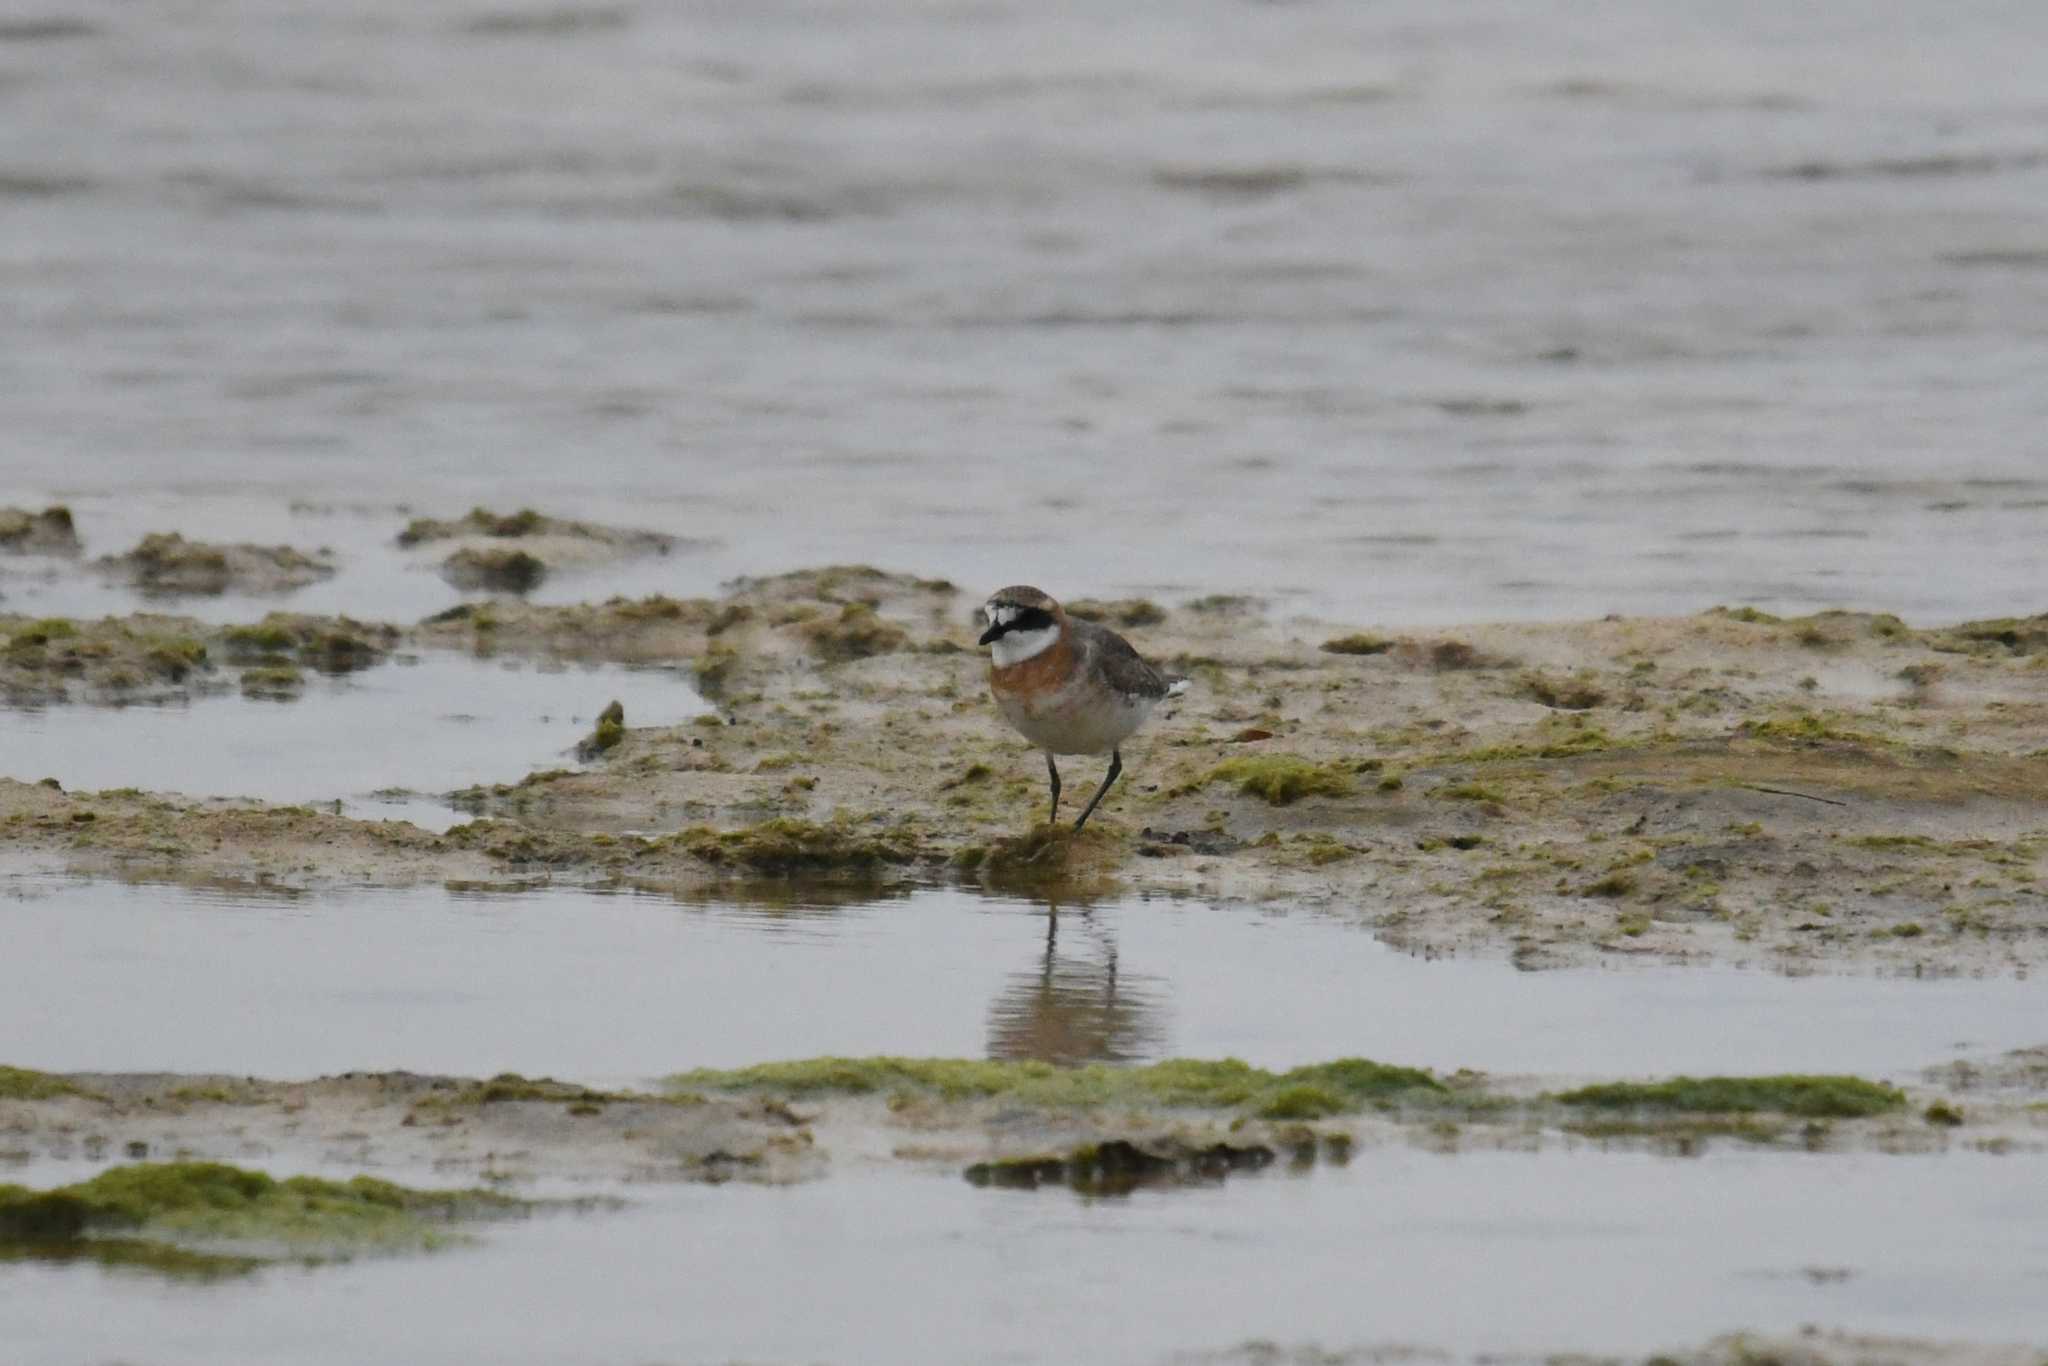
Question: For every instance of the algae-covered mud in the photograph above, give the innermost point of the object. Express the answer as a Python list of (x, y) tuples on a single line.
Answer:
[(1841, 788), (1097, 1129), (514, 552), (501, 1130), (208, 1218), (48, 532), (165, 564)]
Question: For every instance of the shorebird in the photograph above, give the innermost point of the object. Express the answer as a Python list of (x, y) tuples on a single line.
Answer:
[(1068, 686)]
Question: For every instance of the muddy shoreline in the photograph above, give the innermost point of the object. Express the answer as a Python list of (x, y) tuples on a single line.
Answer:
[(1097, 1130), (1834, 790)]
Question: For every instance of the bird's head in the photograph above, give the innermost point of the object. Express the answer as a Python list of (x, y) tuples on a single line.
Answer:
[(1022, 621)]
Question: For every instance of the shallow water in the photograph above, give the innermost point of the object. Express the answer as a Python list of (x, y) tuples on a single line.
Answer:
[(1396, 312), (1479, 1252), (376, 580), (623, 987), (383, 741)]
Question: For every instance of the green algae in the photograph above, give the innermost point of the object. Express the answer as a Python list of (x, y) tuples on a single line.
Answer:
[(135, 1255), (202, 1203), (606, 735), (332, 645), (49, 532), (715, 670), (30, 635), (1125, 612), (1322, 850), (1358, 643), (1893, 842), (277, 682), (1471, 792), (1805, 1096), (160, 554), (838, 583), (858, 632), (481, 521), (1117, 1167), (22, 1083), (661, 607), (1684, 1136), (1224, 604), (509, 1087), (217, 1093), (973, 773), (725, 618), (1302, 1102), (168, 564), (499, 569), (1998, 636), (1340, 1087), (268, 638), (175, 657), (521, 523), (1045, 858), (1744, 614), (1579, 693), (786, 845), (1806, 729), (1280, 779), (1458, 656)]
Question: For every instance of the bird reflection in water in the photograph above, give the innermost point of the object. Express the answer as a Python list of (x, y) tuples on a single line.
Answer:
[(1073, 1007)]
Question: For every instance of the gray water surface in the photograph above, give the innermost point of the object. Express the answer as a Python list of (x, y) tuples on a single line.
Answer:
[(1522, 1253), (384, 741), (1395, 312), (625, 986)]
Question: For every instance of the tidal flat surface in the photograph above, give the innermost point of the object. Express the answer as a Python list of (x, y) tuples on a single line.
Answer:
[(1517, 1253), (617, 988)]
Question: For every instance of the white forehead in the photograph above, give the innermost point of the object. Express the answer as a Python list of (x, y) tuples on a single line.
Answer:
[(1000, 613)]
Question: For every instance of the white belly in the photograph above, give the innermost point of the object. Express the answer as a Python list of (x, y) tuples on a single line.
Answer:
[(1087, 723)]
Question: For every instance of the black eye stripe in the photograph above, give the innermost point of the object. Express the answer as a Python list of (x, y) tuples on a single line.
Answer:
[(1027, 619)]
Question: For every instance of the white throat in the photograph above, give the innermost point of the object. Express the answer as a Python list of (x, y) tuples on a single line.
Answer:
[(1018, 646)]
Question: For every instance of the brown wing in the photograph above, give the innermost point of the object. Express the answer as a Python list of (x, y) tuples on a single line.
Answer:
[(1125, 670)]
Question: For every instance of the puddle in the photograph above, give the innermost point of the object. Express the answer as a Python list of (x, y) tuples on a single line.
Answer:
[(432, 722), (1477, 1253), (613, 988)]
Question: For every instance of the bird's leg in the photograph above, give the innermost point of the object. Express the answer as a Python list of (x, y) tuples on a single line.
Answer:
[(1053, 772), (1116, 766)]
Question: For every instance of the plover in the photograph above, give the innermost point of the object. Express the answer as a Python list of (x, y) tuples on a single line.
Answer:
[(1069, 686)]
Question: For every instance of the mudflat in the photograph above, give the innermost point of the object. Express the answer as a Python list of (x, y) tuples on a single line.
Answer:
[(1843, 788)]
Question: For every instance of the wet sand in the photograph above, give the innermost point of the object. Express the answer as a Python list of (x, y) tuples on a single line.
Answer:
[(1441, 1213), (1726, 788)]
